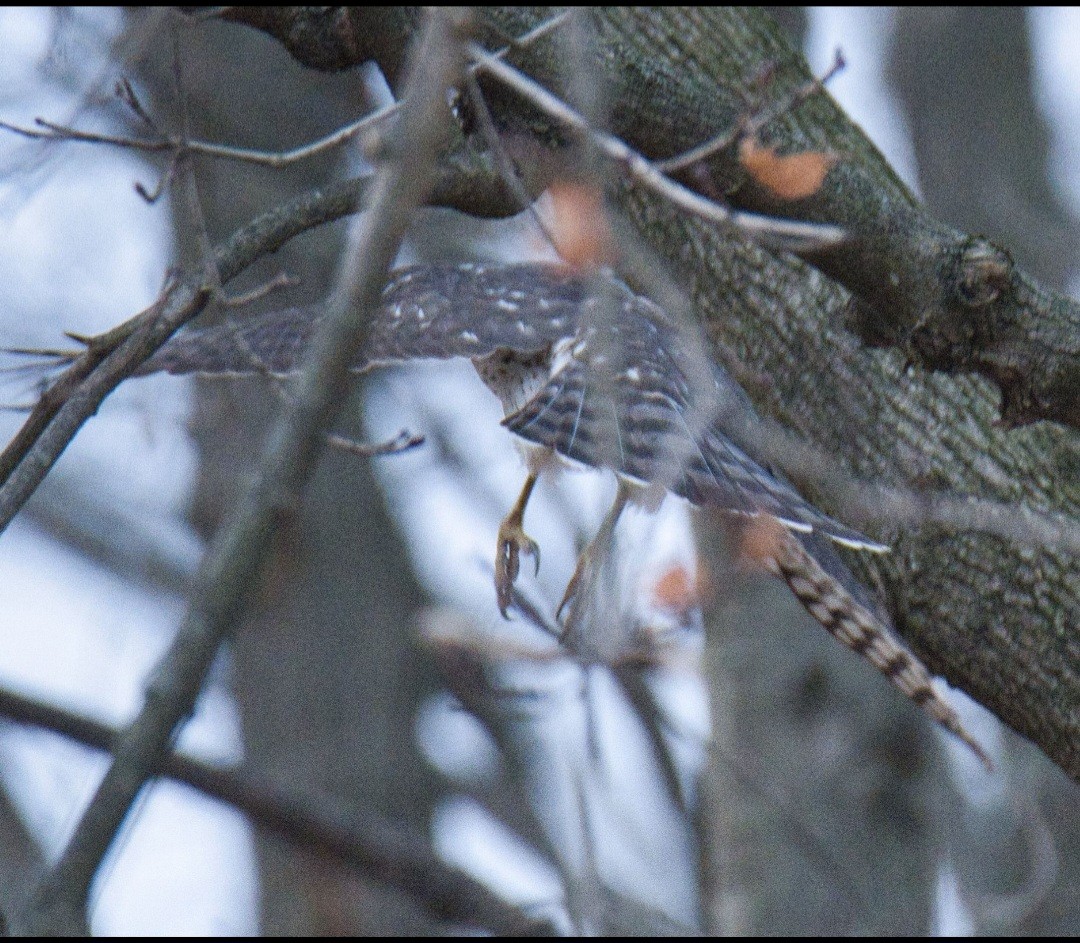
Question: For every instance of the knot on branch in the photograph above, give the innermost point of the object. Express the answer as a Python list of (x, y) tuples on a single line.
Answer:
[(986, 317), (951, 334), (984, 272), (1052, 393)]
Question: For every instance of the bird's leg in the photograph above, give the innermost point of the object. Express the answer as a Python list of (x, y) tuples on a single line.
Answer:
[(594, 554), (512, 542)]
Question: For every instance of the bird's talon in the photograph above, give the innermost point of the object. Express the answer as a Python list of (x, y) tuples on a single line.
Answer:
[(512, 543)]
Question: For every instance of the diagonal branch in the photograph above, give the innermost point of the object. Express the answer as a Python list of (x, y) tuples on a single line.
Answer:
[(234, 561), (786, 234), (949, 301)]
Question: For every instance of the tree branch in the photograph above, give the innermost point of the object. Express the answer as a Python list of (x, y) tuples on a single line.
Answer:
[(950, 302), (234, 561), (377, 848), (465, 180), (997, 617)]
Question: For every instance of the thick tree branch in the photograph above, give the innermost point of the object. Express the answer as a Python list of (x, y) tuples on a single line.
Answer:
[(997, 617), (949, 301)]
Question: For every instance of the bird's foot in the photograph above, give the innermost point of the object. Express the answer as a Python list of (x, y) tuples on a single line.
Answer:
[(572, 588), (592, 558), (513, 541)]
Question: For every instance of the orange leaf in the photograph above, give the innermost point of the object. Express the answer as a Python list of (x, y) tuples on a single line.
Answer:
[(579, 227), (677, 591), (793, 177), (762, 539)]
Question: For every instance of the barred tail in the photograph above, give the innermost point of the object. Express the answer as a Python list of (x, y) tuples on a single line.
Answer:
[(860, 630)]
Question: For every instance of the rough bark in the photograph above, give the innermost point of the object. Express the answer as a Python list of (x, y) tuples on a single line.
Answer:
[(996, 617)]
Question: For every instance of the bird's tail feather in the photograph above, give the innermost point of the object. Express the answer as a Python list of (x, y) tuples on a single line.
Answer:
[(863, 631)]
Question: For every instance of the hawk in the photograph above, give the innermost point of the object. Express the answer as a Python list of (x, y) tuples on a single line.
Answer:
[(588, 371)]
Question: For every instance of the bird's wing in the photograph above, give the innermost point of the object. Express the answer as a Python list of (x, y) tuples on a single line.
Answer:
[(271, 343), (622, 398), (426, 312)]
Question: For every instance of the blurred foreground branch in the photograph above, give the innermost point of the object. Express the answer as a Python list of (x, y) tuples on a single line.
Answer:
[(234, 561), (378, 848)]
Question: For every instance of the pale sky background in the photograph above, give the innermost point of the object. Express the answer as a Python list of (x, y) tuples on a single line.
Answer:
[(73, 634)]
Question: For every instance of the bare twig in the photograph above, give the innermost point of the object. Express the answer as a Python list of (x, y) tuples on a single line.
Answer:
[(635, 685), (126, 93), (181, 146), (503, 163), (378, 848), (277, 283), (233, 563), (175, 146), (113, 356), (751, 126), (164, 181), (793, 236)]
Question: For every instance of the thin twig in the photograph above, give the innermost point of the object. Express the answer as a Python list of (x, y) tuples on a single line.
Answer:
[(503, 163), (791, 235), (750, 127), (279, 282), (126, 93), (177, 147), (113, 356), (376, 847), (233, 563), (164, 181)]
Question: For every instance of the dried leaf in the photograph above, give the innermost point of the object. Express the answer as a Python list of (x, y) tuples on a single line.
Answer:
[(792, 177), (579, 225), (761, 539), (678, 591)]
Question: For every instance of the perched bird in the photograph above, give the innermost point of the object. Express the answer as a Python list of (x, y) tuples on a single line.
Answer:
[(589, 371)]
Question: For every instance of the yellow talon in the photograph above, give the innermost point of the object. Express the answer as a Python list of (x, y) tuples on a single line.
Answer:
[(571, 587), (512, 542)]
